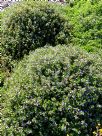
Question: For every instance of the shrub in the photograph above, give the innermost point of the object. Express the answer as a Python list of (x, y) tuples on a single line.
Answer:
[(85, 16), (54, 91), (6, 67), (29, 25)]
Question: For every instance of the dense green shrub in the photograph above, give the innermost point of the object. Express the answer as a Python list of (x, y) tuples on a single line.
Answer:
[(86, 18), (54, 91), (6, 67), (29, 25)]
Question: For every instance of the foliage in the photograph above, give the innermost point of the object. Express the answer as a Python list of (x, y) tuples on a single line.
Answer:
[(98, 131), (6, 67), (85, 16), (54, 91), (29, 25)]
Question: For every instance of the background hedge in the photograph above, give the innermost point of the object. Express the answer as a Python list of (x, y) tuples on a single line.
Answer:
[(54, 91), (85, 16), (29, 25)]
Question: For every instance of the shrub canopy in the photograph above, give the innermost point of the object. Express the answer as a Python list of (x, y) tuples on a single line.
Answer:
[(54, 91), (29, 25), (86, 18)]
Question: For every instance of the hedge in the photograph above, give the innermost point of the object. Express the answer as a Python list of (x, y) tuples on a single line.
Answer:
[(87, 23), (54, 91), (29, 25)]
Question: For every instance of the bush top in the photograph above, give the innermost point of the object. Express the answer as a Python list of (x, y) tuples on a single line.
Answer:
[(29, 25), (49, 57), (54, 90)]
